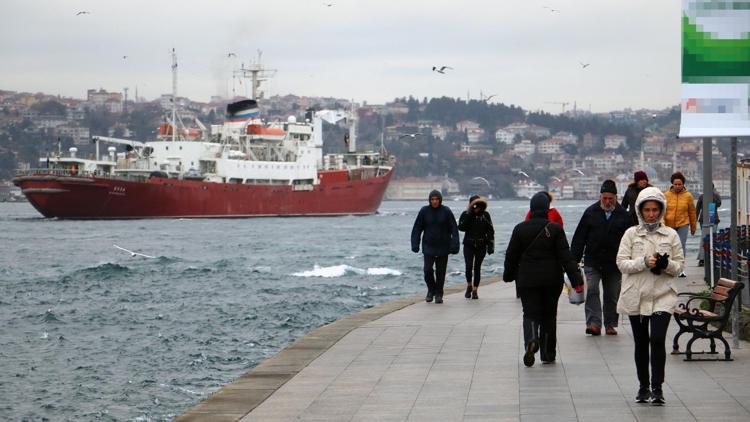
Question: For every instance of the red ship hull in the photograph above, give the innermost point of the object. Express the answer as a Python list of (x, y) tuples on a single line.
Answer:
[(74, 197)]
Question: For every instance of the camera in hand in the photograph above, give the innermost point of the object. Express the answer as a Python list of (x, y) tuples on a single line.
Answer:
[(662, 260)]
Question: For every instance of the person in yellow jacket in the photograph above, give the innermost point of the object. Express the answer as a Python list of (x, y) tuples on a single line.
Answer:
[(680, 213)]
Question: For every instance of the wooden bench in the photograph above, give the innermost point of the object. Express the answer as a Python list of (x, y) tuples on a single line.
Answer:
[(706, 323)]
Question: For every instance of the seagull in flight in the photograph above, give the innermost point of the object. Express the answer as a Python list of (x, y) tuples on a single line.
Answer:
[(550, 9), (410, 135), (327, 4), (133, 254), (83, 12), (231, 55), (584, 65), (489, 97), (441, 69), (124, 57)]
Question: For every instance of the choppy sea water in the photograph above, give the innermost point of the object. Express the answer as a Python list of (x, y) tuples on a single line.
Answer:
[(89, 332)]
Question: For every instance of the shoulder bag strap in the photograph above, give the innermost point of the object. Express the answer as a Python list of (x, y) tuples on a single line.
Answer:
[(535, 238)]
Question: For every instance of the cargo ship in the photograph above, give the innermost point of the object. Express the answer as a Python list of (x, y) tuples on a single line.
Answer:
[(245, 167)]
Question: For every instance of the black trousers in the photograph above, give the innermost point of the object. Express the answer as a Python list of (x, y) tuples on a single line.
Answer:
[(435, 278), (473, 257), (540, 307), (658, 323)]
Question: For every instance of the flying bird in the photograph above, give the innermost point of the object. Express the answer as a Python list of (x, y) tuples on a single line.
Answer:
[(124, 57), (440, 69), (231, 55), (550, 9), (328, 4), (410, 135), (489, 97), (584, 65), (133, 254), (83, 12)]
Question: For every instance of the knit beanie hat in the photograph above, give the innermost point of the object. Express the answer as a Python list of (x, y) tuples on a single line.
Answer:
[(539, 202), (640, 175), (609, 186)]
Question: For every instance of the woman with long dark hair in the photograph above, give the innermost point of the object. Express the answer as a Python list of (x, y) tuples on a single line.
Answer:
[(479, 241)]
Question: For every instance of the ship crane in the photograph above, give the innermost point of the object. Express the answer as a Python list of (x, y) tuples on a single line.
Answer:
[(561, 103)]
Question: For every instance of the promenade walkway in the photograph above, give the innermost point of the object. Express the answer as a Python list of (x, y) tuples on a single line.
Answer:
[(461, 361)]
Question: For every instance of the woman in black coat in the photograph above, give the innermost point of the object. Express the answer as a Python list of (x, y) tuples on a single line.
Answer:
[(537, 254), (479, 241)]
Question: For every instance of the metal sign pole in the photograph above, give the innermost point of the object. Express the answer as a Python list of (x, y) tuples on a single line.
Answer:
[(733, 240), (705, 224)]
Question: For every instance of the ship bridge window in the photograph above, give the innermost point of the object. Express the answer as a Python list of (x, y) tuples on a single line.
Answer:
[(235, 180)]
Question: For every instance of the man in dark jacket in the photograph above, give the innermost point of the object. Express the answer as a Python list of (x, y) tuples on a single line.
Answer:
[(628, 200), (699, 212), (536, 256), (596, 240), (440, 238)]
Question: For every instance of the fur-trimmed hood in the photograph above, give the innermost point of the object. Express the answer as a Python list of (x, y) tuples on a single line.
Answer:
[(479, 201)]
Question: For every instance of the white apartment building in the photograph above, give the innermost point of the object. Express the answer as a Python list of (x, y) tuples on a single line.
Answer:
[(474, 135), (614, 141), (550, 146), (524, 148), (80, 135), (466, 124), (503, 136)]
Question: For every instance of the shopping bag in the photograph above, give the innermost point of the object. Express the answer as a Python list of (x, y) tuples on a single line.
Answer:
[(574, 297)]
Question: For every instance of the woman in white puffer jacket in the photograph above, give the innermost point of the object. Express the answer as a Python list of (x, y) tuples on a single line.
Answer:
[(648, 293)]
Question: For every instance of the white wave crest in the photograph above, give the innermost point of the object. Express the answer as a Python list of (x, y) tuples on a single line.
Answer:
[(382, 271), (342, 270)]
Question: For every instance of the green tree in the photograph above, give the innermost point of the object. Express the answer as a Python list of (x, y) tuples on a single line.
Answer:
[(49, 107)]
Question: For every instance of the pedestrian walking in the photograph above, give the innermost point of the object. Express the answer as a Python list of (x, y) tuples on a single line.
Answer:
[(553, 215), (537, 254), (595, 241), (650, 256), (436, 227), (479, 241), (640, 182), (680, 214), (699, 215)]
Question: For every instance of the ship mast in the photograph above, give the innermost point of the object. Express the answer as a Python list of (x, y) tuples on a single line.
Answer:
[(257, 74), (174, 95)]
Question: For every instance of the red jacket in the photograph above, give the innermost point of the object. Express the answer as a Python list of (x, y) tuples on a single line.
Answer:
[(552, 215)]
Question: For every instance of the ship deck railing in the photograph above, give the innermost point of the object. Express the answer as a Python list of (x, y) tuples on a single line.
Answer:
[(71, 173)]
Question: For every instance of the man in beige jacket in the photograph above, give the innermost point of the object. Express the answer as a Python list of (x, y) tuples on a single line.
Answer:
[(650, 257)]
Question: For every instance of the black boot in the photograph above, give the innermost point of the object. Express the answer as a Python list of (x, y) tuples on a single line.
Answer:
[(439, 298), (644, 394), (547, 346), (531, 339), (468, 292), (430, 295)]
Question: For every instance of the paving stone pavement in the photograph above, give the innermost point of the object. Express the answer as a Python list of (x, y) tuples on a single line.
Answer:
[(461, 361)]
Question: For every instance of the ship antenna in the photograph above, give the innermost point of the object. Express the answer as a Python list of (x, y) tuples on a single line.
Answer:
[(174, 95), (257, 74)]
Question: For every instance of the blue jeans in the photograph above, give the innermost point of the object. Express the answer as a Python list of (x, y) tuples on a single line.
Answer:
[(683, 233), (611, 285)]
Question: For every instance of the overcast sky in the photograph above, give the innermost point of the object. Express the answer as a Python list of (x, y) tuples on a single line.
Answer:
[(367, 50)]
